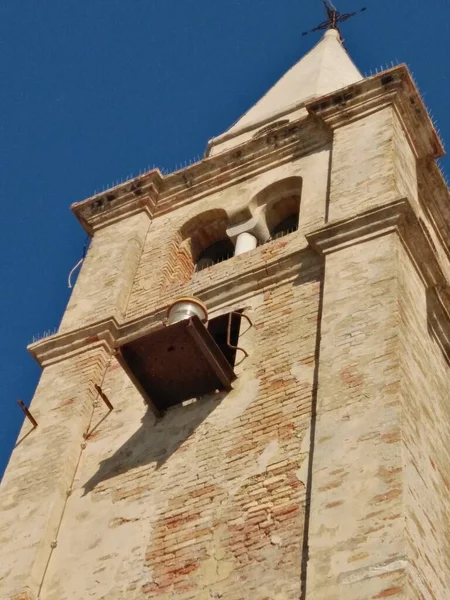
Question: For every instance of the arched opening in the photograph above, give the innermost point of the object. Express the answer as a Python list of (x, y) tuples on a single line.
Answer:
[(201, 242), (215, 253), (287, 225), (282, 216), (280, 205)]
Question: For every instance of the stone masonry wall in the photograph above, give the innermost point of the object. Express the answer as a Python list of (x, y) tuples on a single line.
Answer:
[(212, 500), (356, 535), (39, 475), (153, 288), (363, 173), (207, 502), (425, 393), (104, 285)]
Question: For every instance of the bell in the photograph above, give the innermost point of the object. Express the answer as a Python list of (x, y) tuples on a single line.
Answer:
[(185, 308)]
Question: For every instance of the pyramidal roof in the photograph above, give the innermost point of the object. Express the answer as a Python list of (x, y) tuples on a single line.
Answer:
[(325, 69)]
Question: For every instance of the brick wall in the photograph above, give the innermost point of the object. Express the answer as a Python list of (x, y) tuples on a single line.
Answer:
[(163, 269), (39, 475), (324, 473), (209, 501), (356, 533), (425, 393), (104, 285)]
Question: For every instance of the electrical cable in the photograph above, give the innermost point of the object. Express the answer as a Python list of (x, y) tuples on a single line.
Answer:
[(69, 279)]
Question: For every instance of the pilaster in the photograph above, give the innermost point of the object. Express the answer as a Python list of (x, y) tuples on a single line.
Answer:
[(39, 477), (107, 275), (359, 540)]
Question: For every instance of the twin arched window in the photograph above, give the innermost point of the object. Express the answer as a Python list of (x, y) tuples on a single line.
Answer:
[(278, 207)]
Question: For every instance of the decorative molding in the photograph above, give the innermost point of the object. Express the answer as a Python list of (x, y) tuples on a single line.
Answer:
[(438, 313), (397, 216), (266, 271), (392, 87), (138, 195), (339, 234), (59, 347), (239, 284), (158, 194), (290, 142), (434, 199), (254, 125)]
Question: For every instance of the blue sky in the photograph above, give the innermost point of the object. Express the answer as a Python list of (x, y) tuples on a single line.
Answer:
[(96, 90)]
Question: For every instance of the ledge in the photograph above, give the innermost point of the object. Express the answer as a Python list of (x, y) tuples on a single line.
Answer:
[(339, 234), (397, 216), (392, 87), (134, 196), (59, 347), (294, 257), (264, 273), (157, 194), (438, 309)]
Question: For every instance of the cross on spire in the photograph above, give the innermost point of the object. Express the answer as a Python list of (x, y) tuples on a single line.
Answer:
[(334, 17)]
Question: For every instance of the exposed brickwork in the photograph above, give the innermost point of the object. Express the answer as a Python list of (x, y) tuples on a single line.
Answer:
[(190, 241), (356, 545), (34, 489), (426, 438), (166, 265), (217, 488), (107, 274), (324, 474)]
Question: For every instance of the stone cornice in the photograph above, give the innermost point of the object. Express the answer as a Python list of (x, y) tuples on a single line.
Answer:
[(266, 271), (339, 234), (392, 87), (438, 314), (137, 195), (434, 198), (397, 216), (59, 347), (226, 169), (255, 125), (226, 291), (231, 290), (157, 194)]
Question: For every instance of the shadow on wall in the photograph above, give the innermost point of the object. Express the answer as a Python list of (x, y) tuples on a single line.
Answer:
[(437, 318), (157, 439)]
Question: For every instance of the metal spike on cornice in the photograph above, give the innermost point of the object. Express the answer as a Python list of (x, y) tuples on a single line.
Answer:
[(442, 172)]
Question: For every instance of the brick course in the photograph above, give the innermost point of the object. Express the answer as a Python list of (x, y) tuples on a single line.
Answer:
[(324, 473)]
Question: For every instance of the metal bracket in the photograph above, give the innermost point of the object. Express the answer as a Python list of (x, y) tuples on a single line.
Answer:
[(27, 413), (240, 315), (104, 397)]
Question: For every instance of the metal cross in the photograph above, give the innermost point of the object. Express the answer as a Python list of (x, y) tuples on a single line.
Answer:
[(334, 18)]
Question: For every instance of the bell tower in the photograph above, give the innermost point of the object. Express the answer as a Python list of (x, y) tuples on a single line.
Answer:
[(247, 397)]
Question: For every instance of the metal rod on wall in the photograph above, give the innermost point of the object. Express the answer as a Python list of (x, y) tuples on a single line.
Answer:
[(27, 413)]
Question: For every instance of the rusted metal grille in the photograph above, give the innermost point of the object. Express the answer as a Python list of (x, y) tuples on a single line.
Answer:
[(214, 254), (210, 262), (176, 363), (284, 232)]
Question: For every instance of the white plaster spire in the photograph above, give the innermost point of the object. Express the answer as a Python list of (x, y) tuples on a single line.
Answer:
[(325, 69)]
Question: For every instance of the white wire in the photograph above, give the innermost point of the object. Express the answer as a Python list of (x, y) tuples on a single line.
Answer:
[(69, 281)]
